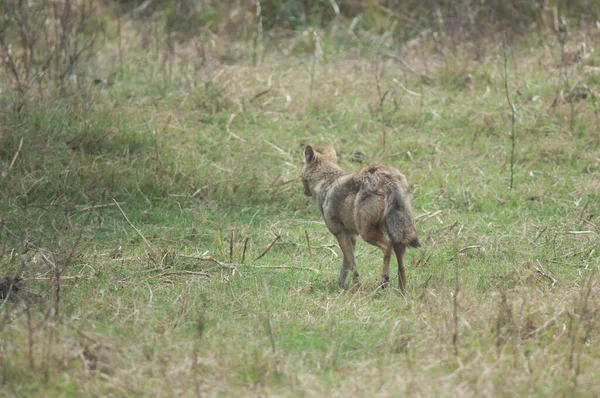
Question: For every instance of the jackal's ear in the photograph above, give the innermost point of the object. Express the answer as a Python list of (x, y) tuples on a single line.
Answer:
[(329, 153), (309, 154)]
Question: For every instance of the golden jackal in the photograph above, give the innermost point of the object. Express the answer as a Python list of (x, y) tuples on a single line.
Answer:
[(366, 203)]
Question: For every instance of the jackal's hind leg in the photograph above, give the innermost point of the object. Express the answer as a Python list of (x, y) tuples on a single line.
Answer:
[(377, 238), (400, 249), (347, 243)]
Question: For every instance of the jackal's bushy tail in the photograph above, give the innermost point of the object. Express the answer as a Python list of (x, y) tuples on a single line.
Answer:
[(398, 217)]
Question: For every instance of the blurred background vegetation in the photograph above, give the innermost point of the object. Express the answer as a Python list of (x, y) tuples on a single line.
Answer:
[(54, 43)]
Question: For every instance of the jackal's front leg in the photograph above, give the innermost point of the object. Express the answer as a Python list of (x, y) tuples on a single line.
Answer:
[(347, 243)]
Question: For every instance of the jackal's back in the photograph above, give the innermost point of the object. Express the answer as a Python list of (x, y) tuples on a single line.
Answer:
[(385, 199)]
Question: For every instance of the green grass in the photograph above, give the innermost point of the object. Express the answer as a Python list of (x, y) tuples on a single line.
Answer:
[(202, 158)]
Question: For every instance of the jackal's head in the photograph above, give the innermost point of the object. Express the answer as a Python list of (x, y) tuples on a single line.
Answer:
[(317, 166)]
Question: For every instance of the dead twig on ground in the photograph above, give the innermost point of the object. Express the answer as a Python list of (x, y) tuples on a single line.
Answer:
[(284, 267), (208, 259), (62, 278), (184, 272), (132, 226), (540, 270), (269, 247), (464, 249), (547, 324), (14, 159)]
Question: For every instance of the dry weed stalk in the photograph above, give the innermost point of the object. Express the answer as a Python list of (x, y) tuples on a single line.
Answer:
[(513, 115), (268, 316), (582, 322), (231, 239), (308, 243), (455, 310), (244, 250)]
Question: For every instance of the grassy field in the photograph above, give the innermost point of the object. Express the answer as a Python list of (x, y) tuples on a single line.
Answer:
[(166, 201)]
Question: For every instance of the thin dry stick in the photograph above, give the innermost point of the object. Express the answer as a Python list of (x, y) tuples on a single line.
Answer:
[(308, 243), (408, 67), (86, 208), (540, 234), (23, 240), (260, 94), (244, 251), (231, 237), (92, 339), (29, 335), (540, 270), (56, 278), (62, 278), (16, 155), (591, 224), (269, 247), (131, 225), (547, 324), (182, 273), (268, 316), (208, 259), (464, 249), (427, 216), (513, 112), (284, 267), (447, 228), (455, 312)]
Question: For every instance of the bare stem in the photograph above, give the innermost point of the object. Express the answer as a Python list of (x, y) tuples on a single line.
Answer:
[(513, 113)]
